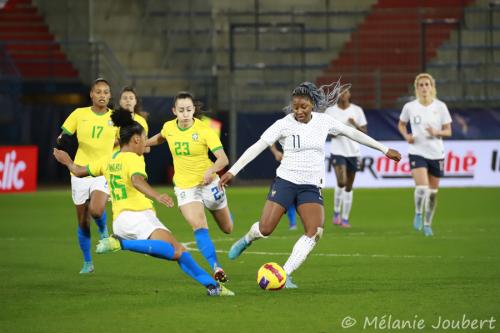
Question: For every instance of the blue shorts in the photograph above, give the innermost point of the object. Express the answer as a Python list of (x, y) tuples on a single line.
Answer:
[(434, 167), (287, 193), (351, 163)]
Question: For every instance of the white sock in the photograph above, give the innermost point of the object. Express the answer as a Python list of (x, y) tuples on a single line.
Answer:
[(254, 233), (430, 206), (337, 198), (419, 196), (346, 205), (300, 251)]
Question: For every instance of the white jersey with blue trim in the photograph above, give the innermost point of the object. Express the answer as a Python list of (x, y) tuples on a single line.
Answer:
[(303, 147), (420, 117)]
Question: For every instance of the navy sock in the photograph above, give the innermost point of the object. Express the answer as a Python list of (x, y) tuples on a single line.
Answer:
[(292, 219), (155, 248), (206, 247), (84, 241), (101, 223), (191, 268)]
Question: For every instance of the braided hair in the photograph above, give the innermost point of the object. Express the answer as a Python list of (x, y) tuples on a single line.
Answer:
[(322, 97), (122, 118)]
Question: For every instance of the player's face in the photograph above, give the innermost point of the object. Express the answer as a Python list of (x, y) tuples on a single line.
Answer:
[(140, 143), (128, 101), (100, 94), (302, 108), (345, 96), (424, 87), (184, 110)]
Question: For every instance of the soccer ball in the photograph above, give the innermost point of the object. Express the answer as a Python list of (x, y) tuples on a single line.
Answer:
[(271, 276)]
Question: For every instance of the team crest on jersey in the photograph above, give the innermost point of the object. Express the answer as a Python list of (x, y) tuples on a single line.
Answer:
[(195, 136)]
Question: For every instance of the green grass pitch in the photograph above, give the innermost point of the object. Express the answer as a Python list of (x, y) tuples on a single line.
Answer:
[(380, 267)]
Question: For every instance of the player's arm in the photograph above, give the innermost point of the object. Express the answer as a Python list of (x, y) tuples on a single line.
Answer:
[(156, 140), (248, 156), (368, 141), (363, 128), (444, 132), (220, 163), (62, 157), (142, 186), (404, 132)]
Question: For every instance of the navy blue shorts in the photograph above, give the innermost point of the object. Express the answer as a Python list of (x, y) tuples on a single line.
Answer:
[(351, 163), (287, 193), (434, 167)]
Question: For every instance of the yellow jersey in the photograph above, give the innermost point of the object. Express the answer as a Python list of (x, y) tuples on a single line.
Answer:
[(189, 149), (95, 133), (118, 170)]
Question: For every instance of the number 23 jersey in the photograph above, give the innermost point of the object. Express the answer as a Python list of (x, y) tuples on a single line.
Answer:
[(303, 146), (118, 171)]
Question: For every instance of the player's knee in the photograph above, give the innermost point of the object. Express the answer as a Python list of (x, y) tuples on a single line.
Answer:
[(341, 183), (227, 229), (96, 212), (179, 249)]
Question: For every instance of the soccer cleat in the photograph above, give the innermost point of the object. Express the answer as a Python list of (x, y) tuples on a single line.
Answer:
[(345, 223), (218, 290), (289, 283), (428, 231), (220, 275), (417, 222), (87, 268), (237, 248), (108, 245), (336, 219)]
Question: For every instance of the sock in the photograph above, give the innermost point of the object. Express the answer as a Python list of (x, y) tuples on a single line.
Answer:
[(430, 205), (206, 247), (337, 199), (191, 268), (84, 241), (254, 233), (101, 225), (292, 220), (346, 205), (155, 248), (300, 251), (420, 194)]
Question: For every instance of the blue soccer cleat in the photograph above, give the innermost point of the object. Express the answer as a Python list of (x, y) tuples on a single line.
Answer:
[(237, 248), (88, 267), (428, 231), (417, 222), (289, 283)]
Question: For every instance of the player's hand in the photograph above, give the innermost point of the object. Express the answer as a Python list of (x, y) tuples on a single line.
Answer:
[(393, 155), (352, 122), (62, 157), (225, 179), (410, 139), (278, 156), (208, 177), (166, 200), (432, 132)]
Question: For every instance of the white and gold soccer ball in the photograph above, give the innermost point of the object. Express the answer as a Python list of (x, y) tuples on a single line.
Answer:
[(271, 276)]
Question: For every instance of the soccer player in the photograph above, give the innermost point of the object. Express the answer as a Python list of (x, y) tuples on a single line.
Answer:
[(96, 136), (300, 176), (345, 154), (195, 177), (135, 223), (130, 101), (430, 122), (291, 211)]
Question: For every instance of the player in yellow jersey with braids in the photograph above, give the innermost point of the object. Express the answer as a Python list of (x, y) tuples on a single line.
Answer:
[(135, 224), (96, 135), (195, 177)]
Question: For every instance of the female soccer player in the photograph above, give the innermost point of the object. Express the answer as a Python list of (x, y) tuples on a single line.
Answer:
[(130, 101), (430, 122), (96, 136), (345, 153), (135, 223), (195, 175), (300, 176)]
